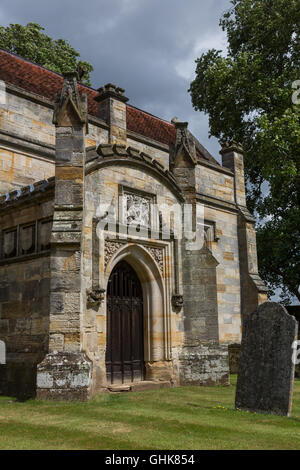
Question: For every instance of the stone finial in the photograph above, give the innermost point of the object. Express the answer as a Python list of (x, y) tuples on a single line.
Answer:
[(80, 72), (232, 146), (184, 141), (70, 108), (111, 91)]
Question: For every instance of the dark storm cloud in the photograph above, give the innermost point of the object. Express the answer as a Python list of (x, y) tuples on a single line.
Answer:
[(147, 47)]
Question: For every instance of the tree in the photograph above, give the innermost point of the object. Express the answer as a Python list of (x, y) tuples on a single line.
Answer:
[(31, 43), (248, 97)]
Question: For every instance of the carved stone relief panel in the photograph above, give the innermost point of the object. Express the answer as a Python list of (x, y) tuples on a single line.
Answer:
[(136, 210)]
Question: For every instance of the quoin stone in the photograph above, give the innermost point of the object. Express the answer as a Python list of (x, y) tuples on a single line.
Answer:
[(266, 369)]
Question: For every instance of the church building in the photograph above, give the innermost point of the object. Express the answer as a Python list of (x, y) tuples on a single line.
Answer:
[(127, 253)]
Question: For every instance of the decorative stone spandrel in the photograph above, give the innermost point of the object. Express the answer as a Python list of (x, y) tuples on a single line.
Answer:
[(266, 370)]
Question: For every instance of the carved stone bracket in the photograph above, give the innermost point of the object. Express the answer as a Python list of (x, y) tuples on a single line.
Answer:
[(177, 301), (95, 296)]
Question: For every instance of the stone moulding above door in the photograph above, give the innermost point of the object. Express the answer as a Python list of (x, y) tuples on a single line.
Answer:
[(112, 246)]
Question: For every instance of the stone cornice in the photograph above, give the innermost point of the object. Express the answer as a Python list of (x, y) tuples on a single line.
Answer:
[(246, 214), (217, 203), (18, 91), (220, 169), (32, 193), (14, 90), (148, 141), (26, 144), (24, 258)]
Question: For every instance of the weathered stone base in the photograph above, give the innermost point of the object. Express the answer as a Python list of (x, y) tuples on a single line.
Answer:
[(160, 371), (206, 364), (64, 376)]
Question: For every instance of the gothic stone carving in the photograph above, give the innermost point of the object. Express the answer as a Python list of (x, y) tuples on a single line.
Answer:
[(136, 210), (95, 296), (177, 301), (157, 254), (70, 97), (112, 246), (110, 249)]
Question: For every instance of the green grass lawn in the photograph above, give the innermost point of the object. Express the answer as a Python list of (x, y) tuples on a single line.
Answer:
[(177, 418)]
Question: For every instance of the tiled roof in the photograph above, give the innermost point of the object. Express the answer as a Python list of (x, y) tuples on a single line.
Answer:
[(142, 123), (36, 79)]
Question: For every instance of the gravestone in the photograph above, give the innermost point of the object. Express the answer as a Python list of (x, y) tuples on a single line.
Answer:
[(266, 370)]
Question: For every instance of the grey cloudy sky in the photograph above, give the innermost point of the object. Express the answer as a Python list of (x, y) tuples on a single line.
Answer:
[(147, 47)]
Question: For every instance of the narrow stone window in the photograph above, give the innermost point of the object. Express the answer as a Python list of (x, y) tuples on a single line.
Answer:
[(27, 239), (9, 243), (44, 234)]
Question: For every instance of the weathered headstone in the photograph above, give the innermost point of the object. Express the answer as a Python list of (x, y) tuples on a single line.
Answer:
[(266, 370)]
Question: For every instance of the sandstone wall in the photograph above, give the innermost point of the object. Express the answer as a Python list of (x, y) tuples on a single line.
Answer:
[(20, 169), (24, 294), (160, 154), (225, 249), (27, 140), (214, 183)]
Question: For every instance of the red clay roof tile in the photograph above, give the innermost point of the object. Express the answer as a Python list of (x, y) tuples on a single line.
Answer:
[(41, 81), (36, 79)]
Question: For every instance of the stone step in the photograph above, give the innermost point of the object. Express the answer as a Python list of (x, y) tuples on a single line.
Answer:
[(149, 385), (119, 388), (138, 386)]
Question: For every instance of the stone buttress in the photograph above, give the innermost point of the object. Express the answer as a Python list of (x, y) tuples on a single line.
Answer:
[(65, 372), (203, 360), (253, 290)]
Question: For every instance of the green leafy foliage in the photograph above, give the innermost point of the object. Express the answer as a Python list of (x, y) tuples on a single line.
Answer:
[(31, 43), (248, 97)]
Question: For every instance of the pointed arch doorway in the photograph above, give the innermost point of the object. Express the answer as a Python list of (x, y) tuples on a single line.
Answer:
[(125, 326)]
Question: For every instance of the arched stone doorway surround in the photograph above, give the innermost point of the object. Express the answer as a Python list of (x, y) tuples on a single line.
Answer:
[(154, 275)]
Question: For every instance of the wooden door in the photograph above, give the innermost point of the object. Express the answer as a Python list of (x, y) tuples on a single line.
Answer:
[(125, 330)]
